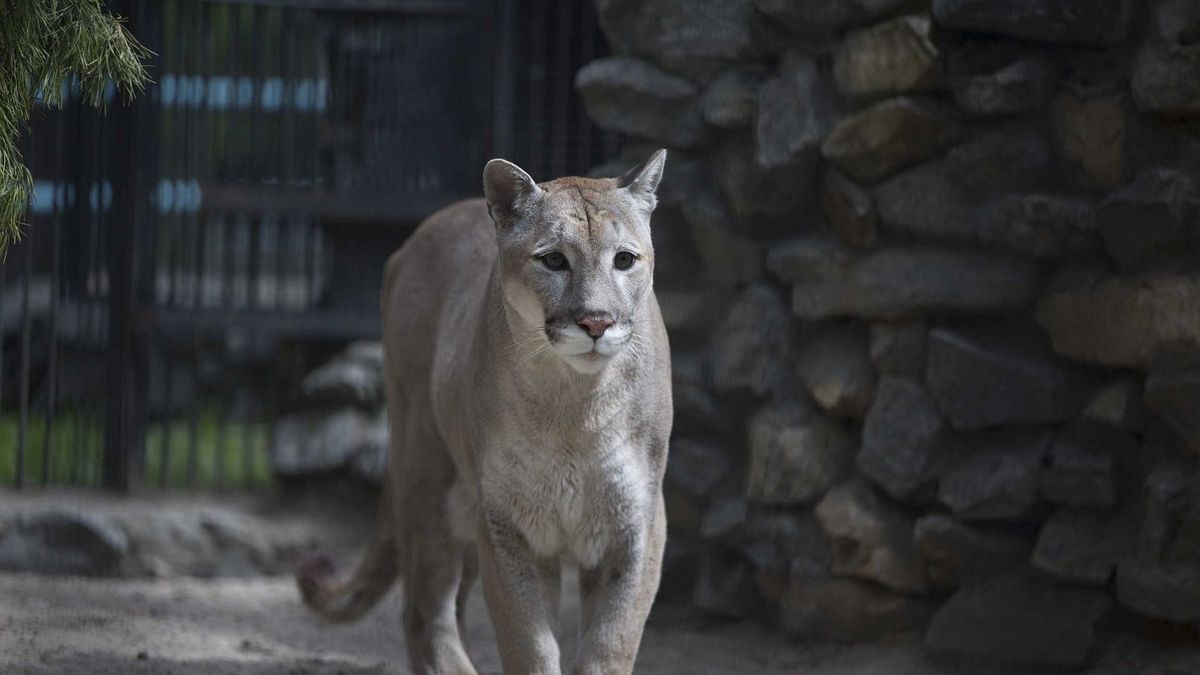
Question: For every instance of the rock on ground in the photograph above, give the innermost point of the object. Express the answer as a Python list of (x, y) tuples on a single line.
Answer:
[(1022, 621), (902, 441), (872, 539), (961, 554), (796, 453)]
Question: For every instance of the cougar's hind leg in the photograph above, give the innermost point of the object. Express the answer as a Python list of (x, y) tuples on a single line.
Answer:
[(431, 556)]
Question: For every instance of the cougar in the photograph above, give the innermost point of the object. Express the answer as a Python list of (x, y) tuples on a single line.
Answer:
[(528, 389)]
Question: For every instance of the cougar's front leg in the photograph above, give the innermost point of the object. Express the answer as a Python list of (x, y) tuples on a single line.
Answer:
[(516, 599), (616, 597)]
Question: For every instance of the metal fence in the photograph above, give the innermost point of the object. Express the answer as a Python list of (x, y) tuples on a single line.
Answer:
[(190, 256)]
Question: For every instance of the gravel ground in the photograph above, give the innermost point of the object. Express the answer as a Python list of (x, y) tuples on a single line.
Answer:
[(256, 626)]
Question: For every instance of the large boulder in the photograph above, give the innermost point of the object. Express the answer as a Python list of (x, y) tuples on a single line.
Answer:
[(318, 441), (1122, 321), (62, 542), (1083, 547), (1042, 226), (1019, 620), (1076, 22), (794, 112), (764, 202), (872, 539), (893, 57), (850, 208), (729, 101), (751, 350), (902, 449), (899, 347), (995, 475), (633, 97), (910, 281), (728, 256), (1022, 86), (981, 380), (889, 135), (1001, 159), (925, 201), (796, 454), (819, 607), (1090, 124), (810, 258), (961, 554), (1173, 391), (837, 370), (1081, 469), (694, 37), (1151, 218), (830, 13)]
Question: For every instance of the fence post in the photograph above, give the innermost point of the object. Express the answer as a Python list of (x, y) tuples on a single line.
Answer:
[(125, 367)]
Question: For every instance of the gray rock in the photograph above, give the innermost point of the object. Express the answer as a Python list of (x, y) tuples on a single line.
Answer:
[(318, 441), (696, 408), (1168, 591), (1118, 404), (821, 608), (809, 259), (1019, 620), (889, 135), (1022, 86), (695, 38), (1122, 321), (899, 347), (1151, 218), (695, 469), (1166, 78), (893, 57), (903, 282), (751, 350), (353, 377), (872, 539), (1170, 527), (902, 448), (1076, 22), (796, 454), (958, 554), (1173, 392), (764, 202), (794, 112), (1090, 125), (728, 257), (1008, 158), (729, 101), (633, 97), (983, 380), (1039, 225), (830, 13), (1083, 547), (1082, 467), (850, 209), (835, 367), (925, 201), (62, 542), (725, 584), (996, 478)]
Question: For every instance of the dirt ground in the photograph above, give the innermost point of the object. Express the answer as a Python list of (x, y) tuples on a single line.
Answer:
[(257, 626)]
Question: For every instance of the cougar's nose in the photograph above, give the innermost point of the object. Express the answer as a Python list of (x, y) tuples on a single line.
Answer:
[(594, 324)]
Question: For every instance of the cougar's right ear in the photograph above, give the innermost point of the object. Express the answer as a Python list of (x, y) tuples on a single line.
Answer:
[(510, 192)]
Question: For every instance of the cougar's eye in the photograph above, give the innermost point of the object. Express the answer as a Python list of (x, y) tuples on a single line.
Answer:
[(555, 261), (624, 260)]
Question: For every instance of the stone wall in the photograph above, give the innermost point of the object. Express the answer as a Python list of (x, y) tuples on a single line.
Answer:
[(932, 277)]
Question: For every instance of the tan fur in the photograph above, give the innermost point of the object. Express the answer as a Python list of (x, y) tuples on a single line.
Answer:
[(518, 440)]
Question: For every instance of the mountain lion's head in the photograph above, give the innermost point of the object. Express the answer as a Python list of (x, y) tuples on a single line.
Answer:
[(576, 262)]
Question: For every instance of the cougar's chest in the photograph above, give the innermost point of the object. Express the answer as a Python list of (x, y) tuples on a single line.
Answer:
[(569, 503)]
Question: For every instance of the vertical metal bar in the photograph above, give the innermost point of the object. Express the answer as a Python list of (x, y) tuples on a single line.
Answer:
[(3, 294), (167, 403), (57, 205), (26, 357)]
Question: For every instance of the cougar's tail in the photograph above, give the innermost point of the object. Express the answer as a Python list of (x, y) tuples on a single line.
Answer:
[(348, 600)]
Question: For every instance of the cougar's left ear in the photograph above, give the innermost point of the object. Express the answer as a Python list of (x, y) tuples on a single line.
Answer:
[(510, 192), (642, 180)]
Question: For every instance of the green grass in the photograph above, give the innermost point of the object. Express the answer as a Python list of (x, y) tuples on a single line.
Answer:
[(233, 454)]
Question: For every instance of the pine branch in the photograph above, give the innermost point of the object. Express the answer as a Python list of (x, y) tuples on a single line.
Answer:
[(45, 47)]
